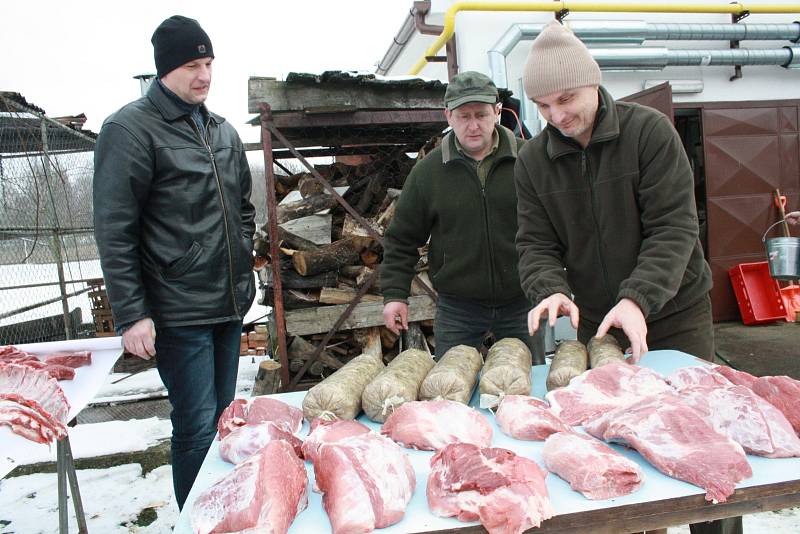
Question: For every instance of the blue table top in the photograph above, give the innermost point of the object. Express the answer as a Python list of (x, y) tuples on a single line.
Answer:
[(418, 518)]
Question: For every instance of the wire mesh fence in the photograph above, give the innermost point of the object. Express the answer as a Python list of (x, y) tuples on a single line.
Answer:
[(47, 248)]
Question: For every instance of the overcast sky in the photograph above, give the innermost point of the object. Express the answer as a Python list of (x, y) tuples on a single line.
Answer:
[(80, 57)]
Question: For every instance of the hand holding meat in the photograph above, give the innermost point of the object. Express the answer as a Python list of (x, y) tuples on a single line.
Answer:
[(629, 317), (140, 339), (395, 316), (555, 305)]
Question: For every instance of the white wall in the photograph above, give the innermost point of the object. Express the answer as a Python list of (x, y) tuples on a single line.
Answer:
[(478, 32)]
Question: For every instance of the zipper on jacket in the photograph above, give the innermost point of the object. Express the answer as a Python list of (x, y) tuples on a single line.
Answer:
[(486, 228), (207, 145), (587, 173)]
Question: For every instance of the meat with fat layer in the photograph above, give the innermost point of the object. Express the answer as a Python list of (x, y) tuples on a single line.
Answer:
[(262, 494), (245, 441), (430, 425), (366, 480), (528, 418), (242, 412), (329, 431), (504, 491), (32, 403)]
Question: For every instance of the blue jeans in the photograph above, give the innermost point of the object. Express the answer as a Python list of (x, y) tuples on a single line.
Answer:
[(465, 322), (198, 365)]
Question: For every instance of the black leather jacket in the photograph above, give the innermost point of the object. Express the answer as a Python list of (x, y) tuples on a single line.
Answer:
[(173, 219)]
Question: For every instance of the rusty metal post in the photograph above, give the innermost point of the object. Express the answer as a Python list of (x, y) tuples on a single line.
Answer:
[(275, 262)]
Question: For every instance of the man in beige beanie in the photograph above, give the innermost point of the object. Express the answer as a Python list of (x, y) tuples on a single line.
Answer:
[(608, 231)]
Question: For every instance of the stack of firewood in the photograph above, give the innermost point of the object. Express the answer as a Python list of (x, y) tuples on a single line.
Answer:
[(327, 257)]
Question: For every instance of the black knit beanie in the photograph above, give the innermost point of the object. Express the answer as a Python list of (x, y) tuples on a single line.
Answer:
[(179, 40)]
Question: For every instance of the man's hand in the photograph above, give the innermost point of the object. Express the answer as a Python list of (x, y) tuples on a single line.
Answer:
[(554, 305), (793, 217), (629, 317), (140, 339), (395, 316)]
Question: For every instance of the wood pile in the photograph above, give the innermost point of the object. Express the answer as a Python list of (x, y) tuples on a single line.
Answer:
[(327, 257)]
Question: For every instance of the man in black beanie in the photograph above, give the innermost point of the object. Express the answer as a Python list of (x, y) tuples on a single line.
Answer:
[(174, 227)]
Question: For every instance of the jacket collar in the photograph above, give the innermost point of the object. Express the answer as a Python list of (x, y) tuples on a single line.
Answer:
[(169, 109), (606, 127), (507, 147)]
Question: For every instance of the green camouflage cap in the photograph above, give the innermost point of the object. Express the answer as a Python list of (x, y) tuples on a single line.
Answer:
[(469, 87)]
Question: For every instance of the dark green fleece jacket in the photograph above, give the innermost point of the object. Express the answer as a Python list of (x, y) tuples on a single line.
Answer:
[(620, 216), (471, 226)]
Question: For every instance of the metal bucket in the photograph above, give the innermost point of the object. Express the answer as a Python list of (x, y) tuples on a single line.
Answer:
[(783, 255)]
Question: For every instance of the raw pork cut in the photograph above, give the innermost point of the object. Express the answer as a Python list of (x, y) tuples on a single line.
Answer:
[(597, 391), (264, 493), (259, 410), (59, 372), (430, 425), (366, 481), (739, 378), (32, 404), (70, 359), (746, 418), (503, 491), (676, 440), (783, 393), (245, 441), (590, 466), (328, 431), (524, 417), (703, 375)]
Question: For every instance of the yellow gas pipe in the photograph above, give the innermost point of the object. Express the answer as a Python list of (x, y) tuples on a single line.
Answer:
[(609, 7)]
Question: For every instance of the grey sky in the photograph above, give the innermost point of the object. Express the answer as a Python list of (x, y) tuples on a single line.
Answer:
[(79, 57)]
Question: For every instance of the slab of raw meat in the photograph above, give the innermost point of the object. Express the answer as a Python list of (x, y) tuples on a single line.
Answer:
[(746, 418), (599, 390), (245, 441), (590, 466), (676, 440), (739, 378), (503, 491), (703, 375), (430, 425), (264, 493), (328, 431), (782, 392), (70, 359), (258, 410), (524, 417), (32, 403), (366, 481), (59, 372)]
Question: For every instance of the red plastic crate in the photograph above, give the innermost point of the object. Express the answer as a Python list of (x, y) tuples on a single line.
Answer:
[(757, 293)]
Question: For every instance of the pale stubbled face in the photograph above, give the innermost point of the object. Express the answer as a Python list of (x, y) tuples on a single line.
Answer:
[(191, 81), (572, 112), (473, 125)]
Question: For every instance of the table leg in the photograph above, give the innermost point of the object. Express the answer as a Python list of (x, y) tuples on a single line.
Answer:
[(65, 467)]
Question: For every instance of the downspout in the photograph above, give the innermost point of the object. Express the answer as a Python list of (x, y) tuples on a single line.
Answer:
[(559, 6), (398, 44), (421, 10)]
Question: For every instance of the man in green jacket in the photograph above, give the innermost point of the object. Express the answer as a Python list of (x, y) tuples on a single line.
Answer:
[(607, 214), (461, 196)]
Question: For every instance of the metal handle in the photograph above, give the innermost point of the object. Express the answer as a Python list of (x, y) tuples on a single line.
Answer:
[(764, 237)]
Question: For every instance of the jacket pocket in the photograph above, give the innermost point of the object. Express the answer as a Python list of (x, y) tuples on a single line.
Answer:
[(178, 267)]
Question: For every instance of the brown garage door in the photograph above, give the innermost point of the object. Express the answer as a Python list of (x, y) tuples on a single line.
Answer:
[(751, 148)]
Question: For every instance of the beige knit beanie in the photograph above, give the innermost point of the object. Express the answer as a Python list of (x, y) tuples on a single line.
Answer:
[(558, 61)]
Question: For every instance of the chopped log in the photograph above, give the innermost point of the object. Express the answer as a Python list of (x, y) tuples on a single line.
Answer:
[(291, 280), (315, 369), (365, 314), (296, 242), (326, 258), (388, 338), (308, 185), (307, 206), (293, 299), (351, 271), (370, 258), (315, 229), (417, 281), (329, 295), (370, 341), (414, 338), (362, 277), (268, 378), (354, 229), (285, 184), (302, 350)]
